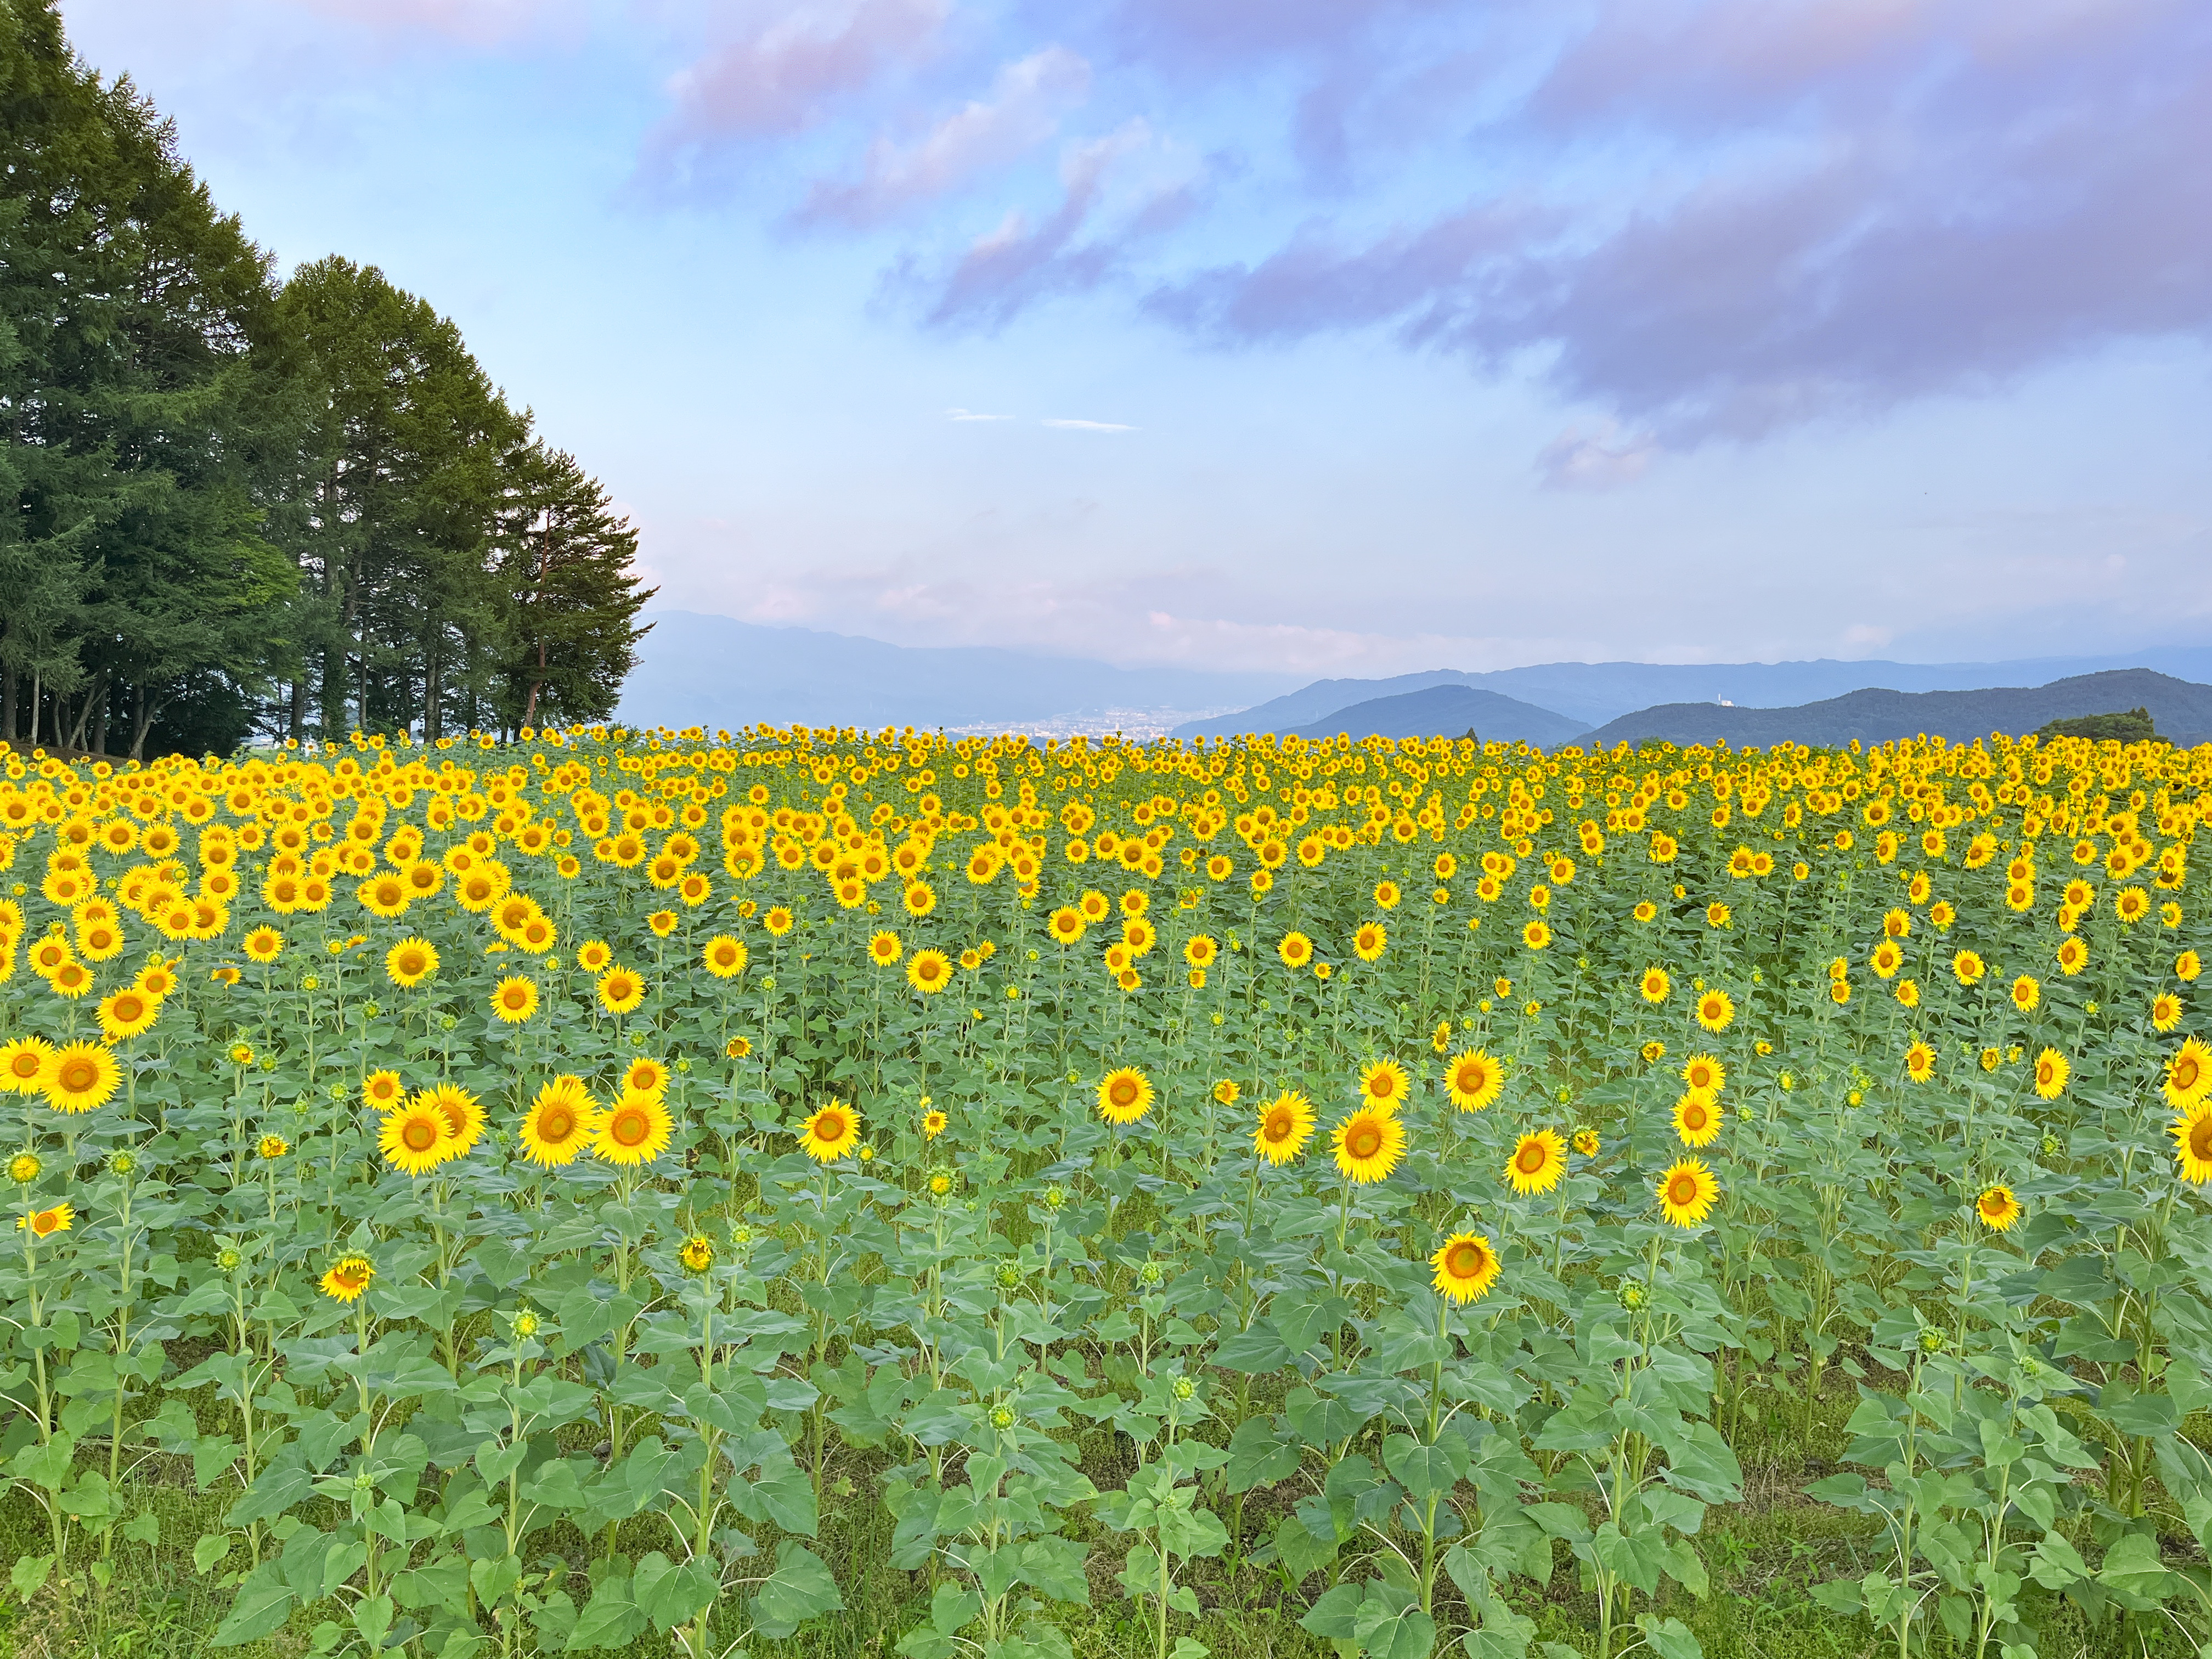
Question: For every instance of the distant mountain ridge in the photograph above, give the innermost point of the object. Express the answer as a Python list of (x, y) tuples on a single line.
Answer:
[(1450, 710), (1595, 693), (2182, 711), (716, 672)]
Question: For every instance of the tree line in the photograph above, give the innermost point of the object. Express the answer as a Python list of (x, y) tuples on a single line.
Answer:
[(239, 508)]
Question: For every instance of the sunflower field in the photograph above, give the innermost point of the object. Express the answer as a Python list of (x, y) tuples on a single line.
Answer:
[(833, 1192)]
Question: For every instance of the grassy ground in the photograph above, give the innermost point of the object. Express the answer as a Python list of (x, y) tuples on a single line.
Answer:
[(1764, 1556)]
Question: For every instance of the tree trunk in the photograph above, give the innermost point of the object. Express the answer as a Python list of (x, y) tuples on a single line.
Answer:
[(143, 723), (7, 703), (100, 719), (38, 676)]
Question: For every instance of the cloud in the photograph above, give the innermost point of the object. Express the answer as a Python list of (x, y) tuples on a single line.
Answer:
[(1022, 110), (1021, 262), (1605, 460), (1090, 426), (784, 77), (1838, 206), (969, 414), (474, 23)]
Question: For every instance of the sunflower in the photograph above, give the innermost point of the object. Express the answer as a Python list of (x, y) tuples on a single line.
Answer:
[(1368, 1146), (919, 899), (778, 922), (1466, 1268), (1655, 985), (829, 1133), (2187, 966), (1369, 942), (2192, 1142), (1586, 1142), (1066, 924), (348, 1277), (1474, 1080), (1199, 951), (2164, 1012), (381, 1090), (697, 1254), (635, 1130), (79, 1077), (2073, 956), (262, 944), (1296, 949), (2188, 1075), (416, 1137), (23, 1065), (1124, 1095), (1686, 1192), (2025, 994), (594, 956), (884, 949), (1536, 936), (1716, 1010), (1383, 1085), (1539, 1160), (1997, 1208), (1697, 1120), (559, 1123), (620, 990), (1919, 1062), (45, 1223), (932, 1124), (381, 895), (128, 1012), (2051, 1071), (929, 971), (273, 1146), (410, 962), (515, 1000), (1968, 967), (1286, 1123), (1886, 960), (1705, 1075)]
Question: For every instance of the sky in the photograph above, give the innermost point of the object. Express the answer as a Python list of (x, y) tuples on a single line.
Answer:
[(1326, 336)]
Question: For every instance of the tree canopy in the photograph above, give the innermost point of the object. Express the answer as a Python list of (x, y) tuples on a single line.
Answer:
[(237, 507)]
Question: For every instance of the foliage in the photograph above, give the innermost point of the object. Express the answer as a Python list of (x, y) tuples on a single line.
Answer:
[(236, 504), (624, 1189)]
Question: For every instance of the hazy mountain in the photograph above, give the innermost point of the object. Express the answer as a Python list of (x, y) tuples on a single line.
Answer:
[(1451, 711), (2183, 711), (1597, 692), (715, 671)]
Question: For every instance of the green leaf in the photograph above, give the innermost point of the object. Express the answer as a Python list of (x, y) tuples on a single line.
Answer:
[(801, 1588), (1427, 1471), (28, 1575), (609, 1618), (260, 1607), (211, 1548), (1668, 1639), (372, 1617), (1261, 1453)]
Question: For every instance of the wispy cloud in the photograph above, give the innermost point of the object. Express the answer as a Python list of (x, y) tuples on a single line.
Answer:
[(788, 72), (1022, 110), (970, 415)]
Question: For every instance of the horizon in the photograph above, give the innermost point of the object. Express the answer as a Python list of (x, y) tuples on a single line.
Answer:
[(1331, 339)]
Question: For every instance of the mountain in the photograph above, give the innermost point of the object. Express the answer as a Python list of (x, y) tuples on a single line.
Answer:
[(2182, 711), (1597, 692), (1450, 710), (697, 670)]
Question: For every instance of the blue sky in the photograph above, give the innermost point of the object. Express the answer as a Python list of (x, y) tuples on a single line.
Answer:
[(1341, 337)]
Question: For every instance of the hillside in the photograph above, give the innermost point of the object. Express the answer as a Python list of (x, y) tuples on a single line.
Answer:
[(1450, 710), (697, 670), (2182, 710), (1595, 693)]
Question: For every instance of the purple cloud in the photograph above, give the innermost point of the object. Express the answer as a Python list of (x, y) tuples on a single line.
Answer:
[(1022, 261), (781, 78), (1884, 199), (1022, 110)]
